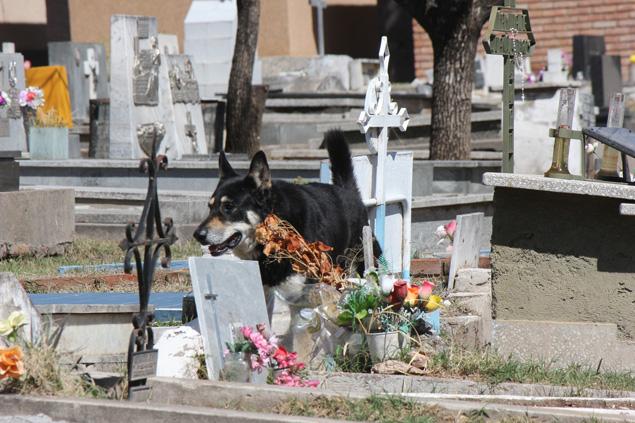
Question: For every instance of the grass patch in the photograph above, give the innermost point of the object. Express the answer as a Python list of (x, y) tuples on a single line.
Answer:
[(373, 409), (490, 367), (82, 252), (44, 375)]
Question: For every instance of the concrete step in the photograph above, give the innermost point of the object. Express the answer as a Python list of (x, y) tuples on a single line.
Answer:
[(109, 214), (565, 343)]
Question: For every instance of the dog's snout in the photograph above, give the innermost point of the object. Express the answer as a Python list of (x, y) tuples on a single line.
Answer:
[(200, 235)]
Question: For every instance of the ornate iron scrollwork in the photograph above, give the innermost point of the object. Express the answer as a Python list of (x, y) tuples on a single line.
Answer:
[(141, 353)]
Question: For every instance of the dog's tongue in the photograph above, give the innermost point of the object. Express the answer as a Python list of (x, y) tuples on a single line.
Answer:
[(231, 242)]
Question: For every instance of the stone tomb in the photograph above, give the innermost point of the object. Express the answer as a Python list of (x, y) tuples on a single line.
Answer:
[(139, 87), (561, 251), (85, 65), (228, 293), (187, 105), (12, 135), (210, 35)]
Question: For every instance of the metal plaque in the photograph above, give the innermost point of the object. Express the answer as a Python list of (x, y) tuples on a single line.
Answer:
[(143, 27), (139, 393), (5, 131), (145, 78), (14, 111), (183, 84), (150, 136), (143, 365)]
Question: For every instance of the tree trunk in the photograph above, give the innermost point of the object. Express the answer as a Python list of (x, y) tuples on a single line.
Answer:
[(454, 26), (242, 130), (452, 95)]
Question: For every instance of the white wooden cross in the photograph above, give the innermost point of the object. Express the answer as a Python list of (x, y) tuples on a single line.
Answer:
[(91, 71), (379, 115)]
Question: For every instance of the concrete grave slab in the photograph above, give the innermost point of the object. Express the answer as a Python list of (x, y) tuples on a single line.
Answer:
[(87, 72), (139, 87), (36, 221), (561, 251), (228, 293), (466, 244)]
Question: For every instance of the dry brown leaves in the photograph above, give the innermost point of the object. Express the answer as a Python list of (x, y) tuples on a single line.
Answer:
[(281, 241)]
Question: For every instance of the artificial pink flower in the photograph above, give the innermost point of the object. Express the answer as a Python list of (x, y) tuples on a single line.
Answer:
[(425, 290), (450, 228)]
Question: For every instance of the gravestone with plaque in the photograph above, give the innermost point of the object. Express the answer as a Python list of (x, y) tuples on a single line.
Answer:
[(12, 135), (187, 105), (85, 65), (139, 87), (228, 293)]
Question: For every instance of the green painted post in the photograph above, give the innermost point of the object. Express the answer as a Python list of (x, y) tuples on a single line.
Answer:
[(509, 34)]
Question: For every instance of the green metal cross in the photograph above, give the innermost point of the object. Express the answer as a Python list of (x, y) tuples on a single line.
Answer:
[(508, 34)]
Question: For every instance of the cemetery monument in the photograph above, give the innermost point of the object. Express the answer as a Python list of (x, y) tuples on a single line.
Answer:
[(139, 87)]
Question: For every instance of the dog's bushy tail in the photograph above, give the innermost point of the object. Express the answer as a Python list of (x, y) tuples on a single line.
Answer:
[(340, 157)]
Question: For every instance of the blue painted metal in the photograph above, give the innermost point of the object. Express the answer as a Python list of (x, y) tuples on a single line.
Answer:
[(325, 173), (380, 224), (114, 267)]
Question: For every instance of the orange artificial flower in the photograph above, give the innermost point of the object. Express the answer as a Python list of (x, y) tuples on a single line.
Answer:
[(412, 297), (11, 363)]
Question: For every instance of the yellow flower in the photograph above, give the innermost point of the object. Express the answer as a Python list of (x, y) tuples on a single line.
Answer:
[(14, 321), (5, 328), (434, 302)]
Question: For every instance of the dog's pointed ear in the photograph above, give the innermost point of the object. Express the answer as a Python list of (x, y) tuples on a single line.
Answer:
[(259, 171), (224, 168)]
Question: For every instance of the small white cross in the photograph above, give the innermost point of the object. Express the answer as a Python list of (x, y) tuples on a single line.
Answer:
[(379, 115), (91, 71)]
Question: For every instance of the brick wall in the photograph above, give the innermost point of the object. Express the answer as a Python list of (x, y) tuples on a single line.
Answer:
[(554, 23)]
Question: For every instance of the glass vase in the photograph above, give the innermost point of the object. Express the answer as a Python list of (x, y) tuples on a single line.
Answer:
[(236, 368)]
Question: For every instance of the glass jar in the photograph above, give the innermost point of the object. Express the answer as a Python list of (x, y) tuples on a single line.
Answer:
[(236, 368)]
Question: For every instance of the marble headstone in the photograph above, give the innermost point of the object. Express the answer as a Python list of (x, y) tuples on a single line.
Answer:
[(210, 35), (187, 105), (12, 135), (85, 65), (139, 87), (228, 293)]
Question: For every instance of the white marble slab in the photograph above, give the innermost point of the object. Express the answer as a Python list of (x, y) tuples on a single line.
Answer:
[(228, 293)]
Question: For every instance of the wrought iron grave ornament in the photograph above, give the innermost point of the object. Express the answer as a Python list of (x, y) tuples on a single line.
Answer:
[(509, 34), (142, 357)]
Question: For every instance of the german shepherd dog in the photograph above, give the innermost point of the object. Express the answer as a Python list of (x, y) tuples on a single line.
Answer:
[(333, 214)]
